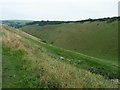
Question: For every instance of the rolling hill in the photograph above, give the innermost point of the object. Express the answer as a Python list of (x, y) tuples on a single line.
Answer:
[(97, 38), (30, 63)]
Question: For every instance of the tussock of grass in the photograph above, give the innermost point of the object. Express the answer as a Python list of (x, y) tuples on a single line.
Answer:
[(25, 64)]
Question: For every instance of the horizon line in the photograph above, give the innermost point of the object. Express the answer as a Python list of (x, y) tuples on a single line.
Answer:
[(55, 20)]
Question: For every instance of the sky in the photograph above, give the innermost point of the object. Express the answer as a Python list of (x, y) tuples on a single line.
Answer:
[(64, 10)]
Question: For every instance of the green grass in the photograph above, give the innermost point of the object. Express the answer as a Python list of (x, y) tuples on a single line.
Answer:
[(97, 39), (15, 72), (107, 68), (27, 62), (12, 68), (94, 65)]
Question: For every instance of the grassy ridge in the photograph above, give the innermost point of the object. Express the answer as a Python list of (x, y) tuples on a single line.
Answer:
[(27, 64), (97, 39)]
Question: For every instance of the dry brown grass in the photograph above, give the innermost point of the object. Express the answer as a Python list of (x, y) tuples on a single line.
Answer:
[(11, 40)]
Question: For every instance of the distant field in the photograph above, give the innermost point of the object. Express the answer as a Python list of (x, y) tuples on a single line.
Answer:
[(30, 63), (98, 39), (16, 23)]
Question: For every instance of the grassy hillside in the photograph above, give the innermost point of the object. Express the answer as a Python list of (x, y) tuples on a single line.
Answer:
[(28, 62), (98, 39)]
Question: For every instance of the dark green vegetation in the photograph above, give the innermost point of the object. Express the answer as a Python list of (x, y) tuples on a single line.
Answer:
[(16, 23), (28, 62), (97, 38), (43, 23)]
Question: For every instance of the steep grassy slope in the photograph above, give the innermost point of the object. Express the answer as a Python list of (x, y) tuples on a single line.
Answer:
[(98, 39), (27, 62)]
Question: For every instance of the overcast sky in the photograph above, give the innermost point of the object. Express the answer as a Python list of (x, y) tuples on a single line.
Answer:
[(58, 9)]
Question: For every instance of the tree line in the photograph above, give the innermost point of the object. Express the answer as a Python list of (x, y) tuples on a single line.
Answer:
[(43, 23)]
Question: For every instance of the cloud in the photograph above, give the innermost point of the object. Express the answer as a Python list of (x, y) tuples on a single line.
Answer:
[(58, 9)]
